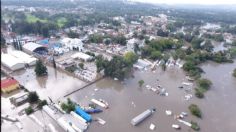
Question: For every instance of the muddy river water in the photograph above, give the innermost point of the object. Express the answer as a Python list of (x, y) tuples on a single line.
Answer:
[(127, 100)]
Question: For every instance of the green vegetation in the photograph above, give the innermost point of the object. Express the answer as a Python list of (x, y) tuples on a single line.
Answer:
[(232, 52), (40, 69), (61, 22), (29, 110), (195, 126), (199, 93), (41, 103), (69, 106), (195, 110), (140, 82), (81, 65), (33, 97), (72, 34), (90, 53), (155, 48), (234, 73), (130, 58), (32, 19), (71, 68), (204, 84), (117, 67)]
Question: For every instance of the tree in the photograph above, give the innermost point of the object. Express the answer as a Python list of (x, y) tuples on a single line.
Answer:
[(195, 110), (72, 34), (208, 46), (69, 106), (40, 69), (156, 55), (140, 82), (81, 65), (42, 103), (130, 58), (33, 97)]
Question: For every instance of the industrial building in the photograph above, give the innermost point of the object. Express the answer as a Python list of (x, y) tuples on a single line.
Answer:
[(34, 48), (12, 62), (25, 58)]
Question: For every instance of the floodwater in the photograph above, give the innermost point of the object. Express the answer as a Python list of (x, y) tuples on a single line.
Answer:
[(55, 85), (128, 100)]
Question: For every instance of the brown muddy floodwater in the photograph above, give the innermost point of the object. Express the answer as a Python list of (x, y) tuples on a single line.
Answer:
[(55, 85), (218, 107), (127, 100)]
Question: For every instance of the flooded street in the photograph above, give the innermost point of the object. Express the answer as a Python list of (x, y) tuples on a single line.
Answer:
[(55, 85)]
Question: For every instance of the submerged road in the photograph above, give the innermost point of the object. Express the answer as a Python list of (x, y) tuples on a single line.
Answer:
[(84, 86)]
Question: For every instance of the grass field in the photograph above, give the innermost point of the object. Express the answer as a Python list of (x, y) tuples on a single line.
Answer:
[(61, 22), (32, 19)]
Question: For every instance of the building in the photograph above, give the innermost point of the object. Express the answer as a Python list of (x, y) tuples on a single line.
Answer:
[(32, 47), (81, 56), (73, 44), (12, 62), (8, 85), (23, 57)]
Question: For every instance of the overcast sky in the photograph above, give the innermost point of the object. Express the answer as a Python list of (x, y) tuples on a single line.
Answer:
[(204, 2)]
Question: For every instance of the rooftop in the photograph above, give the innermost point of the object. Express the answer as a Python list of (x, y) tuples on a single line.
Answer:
[(8, 82)]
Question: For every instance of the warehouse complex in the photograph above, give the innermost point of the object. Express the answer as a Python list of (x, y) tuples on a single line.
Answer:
[(16, 60)]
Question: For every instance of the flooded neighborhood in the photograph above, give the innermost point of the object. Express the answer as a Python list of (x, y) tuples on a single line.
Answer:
[(93, 67)]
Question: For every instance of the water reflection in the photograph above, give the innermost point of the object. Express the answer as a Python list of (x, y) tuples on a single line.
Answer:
[(109, 83), (42, 81)]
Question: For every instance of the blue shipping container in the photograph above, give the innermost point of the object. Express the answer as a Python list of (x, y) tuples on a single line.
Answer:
[(83, 114), (93, 111)]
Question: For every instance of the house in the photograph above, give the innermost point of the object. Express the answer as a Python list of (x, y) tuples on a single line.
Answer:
[(8, 85), (82, 56)]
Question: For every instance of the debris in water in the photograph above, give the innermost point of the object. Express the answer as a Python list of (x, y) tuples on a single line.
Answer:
[(152, 126)]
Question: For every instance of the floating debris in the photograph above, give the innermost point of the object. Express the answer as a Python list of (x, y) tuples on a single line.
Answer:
[(168, 112), (176, 126), (101, 121), (152, 127)]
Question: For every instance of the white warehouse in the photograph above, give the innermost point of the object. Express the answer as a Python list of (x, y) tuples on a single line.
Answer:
[(25, 58), (12, 62)]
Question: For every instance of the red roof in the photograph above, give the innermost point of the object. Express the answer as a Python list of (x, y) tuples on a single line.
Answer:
[(8, 82)]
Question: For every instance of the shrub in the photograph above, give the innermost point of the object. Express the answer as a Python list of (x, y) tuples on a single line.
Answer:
[(204, 83), (69, 106), (199, 93), (195, 110), (195, 126), (29, 110), (140, 82)]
